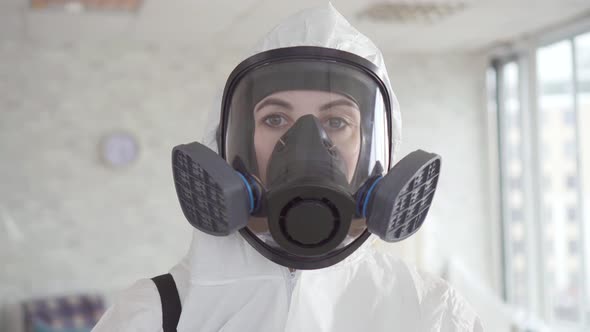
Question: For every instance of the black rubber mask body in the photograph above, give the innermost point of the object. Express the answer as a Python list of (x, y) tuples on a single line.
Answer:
[(310, 206)]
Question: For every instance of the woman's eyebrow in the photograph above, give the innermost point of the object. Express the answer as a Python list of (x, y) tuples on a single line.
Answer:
[(274, 101), (338, 102)]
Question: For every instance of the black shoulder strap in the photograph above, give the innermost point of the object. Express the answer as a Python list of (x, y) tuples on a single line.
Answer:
[(171, 307)]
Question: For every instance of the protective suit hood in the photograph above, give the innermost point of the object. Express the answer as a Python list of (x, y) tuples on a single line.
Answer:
[(325, 28)]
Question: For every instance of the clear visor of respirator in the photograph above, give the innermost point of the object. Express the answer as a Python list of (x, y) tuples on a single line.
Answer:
[(333, 117)]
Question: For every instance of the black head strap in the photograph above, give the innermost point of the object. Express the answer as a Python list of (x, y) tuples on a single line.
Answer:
[(171, 306)]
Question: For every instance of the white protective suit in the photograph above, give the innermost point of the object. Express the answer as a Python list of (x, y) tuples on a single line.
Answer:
[(226, 285)]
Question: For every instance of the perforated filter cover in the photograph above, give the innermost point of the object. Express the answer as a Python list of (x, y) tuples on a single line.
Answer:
[(402, 199), (212, 195)]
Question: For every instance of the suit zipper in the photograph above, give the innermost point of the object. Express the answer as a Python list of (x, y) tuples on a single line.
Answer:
[(290, 281)]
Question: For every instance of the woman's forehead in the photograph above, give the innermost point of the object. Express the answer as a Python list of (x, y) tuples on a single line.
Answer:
[(305, 97)]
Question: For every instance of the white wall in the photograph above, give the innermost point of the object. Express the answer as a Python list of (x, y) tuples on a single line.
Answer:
[(442, 99), (69, 223)]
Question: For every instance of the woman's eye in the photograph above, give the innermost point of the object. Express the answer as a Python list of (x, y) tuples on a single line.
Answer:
[(336, 123), (275, 121)]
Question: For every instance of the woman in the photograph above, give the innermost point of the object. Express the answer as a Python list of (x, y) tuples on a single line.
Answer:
[(317, 104)]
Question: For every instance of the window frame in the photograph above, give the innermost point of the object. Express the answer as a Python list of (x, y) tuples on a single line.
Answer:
[(523, 52)]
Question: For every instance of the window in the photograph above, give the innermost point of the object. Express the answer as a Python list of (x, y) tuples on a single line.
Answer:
[(542, 99)]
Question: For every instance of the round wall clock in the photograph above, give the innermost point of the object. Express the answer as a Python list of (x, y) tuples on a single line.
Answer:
[(119, 149)]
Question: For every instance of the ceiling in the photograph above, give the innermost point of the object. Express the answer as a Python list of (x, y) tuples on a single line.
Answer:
[(231, 24)]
